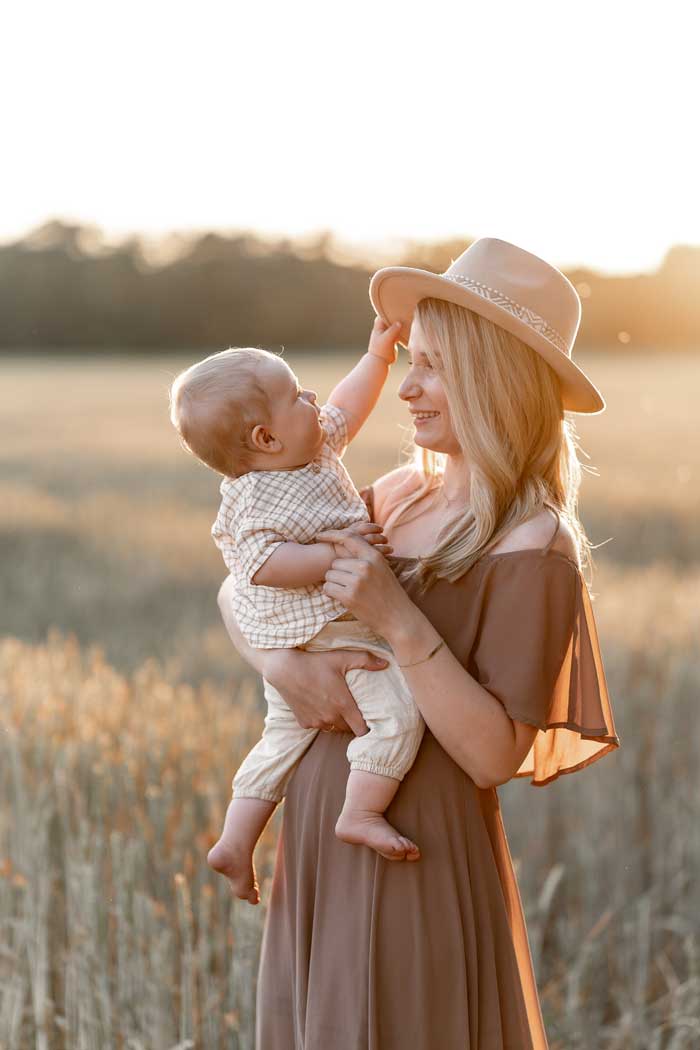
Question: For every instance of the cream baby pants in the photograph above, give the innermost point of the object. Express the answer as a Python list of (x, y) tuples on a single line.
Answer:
[(395, 723)]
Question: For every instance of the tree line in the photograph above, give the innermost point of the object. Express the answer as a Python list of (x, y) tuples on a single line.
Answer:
[(62, 288)]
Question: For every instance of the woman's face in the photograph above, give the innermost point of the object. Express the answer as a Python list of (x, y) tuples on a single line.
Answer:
[(427, 402)]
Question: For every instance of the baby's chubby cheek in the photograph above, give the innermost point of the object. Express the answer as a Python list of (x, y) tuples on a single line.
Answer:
[(308, 438)]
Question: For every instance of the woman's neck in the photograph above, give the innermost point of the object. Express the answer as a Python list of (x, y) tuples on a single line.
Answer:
[(455, 480)]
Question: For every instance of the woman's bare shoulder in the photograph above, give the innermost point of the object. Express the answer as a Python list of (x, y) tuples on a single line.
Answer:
[(536, 533), (394, 486)]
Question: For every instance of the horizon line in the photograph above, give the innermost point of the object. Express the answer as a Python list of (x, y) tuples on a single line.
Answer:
[(343, 247)]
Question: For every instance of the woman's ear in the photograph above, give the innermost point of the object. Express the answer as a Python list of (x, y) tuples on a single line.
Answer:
[(263, 440)]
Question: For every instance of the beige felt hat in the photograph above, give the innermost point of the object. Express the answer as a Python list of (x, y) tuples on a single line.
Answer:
[(509, 286)]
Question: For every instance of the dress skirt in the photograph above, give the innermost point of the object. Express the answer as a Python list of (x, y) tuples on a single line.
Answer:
[(364, 953)]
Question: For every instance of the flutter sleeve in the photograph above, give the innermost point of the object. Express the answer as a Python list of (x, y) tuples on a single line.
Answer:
[(536, 650)]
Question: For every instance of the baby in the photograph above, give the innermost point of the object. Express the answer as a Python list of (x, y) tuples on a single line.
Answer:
[(244, 414)]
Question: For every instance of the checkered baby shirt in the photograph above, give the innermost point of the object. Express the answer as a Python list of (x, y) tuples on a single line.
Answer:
[(265, 508)]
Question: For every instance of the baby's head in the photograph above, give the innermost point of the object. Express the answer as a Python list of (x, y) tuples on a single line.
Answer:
[(243, 409)]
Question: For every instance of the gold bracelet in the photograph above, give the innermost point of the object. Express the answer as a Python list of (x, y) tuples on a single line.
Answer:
[(437, 649)]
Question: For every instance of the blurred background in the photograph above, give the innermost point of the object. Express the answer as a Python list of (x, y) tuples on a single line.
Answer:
[(179, 181)]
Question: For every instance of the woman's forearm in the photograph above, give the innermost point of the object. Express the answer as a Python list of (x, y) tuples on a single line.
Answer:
[(255, 657), (467, 721), (470, 724)]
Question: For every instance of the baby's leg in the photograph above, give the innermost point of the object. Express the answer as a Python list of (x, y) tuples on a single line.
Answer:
[(380, 759), (362, 821), (258, 786), (232, 855)]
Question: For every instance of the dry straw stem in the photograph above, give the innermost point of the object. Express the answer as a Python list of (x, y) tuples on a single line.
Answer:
[(114, 932)]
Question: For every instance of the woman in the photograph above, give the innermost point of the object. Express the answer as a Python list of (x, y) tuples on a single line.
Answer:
[(364, 953)]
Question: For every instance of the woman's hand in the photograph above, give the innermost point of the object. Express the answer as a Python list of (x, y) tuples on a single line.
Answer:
[(369, 530), (314, 686), (363, 582)]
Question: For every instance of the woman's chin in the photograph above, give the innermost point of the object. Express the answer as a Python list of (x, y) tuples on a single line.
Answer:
[(425, 441)]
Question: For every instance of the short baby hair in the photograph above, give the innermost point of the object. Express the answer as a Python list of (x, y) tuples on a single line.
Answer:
[(215, 404)]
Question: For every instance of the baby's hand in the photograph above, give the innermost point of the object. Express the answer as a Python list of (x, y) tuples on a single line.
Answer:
[(383, 338), (368, 530)]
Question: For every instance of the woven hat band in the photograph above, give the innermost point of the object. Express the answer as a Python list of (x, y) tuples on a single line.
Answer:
[(523, 313)]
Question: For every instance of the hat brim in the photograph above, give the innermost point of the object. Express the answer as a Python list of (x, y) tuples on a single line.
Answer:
[(394, 292)]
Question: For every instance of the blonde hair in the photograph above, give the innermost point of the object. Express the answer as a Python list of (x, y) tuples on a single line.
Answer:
[(506, 411), (214, 405)]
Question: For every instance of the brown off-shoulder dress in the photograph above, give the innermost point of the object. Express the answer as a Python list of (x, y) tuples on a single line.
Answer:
[(363, 953)]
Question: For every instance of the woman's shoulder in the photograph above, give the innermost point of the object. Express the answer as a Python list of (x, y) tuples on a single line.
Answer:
[(536, 534)]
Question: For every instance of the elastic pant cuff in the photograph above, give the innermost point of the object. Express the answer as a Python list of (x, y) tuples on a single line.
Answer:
[(395, 772), (264, 796)]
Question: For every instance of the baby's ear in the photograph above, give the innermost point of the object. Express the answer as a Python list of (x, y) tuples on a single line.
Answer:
[(263, 440)]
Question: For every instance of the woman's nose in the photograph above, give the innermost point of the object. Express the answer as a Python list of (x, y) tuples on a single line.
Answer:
[(408, 388)]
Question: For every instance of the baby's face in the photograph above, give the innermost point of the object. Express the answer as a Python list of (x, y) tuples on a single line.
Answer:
[(295, 415)]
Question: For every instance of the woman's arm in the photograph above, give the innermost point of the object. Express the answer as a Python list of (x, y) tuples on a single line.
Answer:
[(477, 732), (255, 657), (313, 684)]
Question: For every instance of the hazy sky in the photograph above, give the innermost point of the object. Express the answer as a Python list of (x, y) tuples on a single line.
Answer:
[(569, 129)]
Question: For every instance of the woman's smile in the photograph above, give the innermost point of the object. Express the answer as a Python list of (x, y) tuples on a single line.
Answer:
[(423, 417)]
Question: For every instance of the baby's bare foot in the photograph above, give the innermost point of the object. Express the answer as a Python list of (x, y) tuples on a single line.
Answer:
[(371, 829), (237, 865)]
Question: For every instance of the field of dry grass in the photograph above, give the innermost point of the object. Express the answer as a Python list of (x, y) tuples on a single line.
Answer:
[(124, 711), (105, 520)]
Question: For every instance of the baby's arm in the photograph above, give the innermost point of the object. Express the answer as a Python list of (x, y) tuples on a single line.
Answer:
[(304, 564), (357, 394)]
